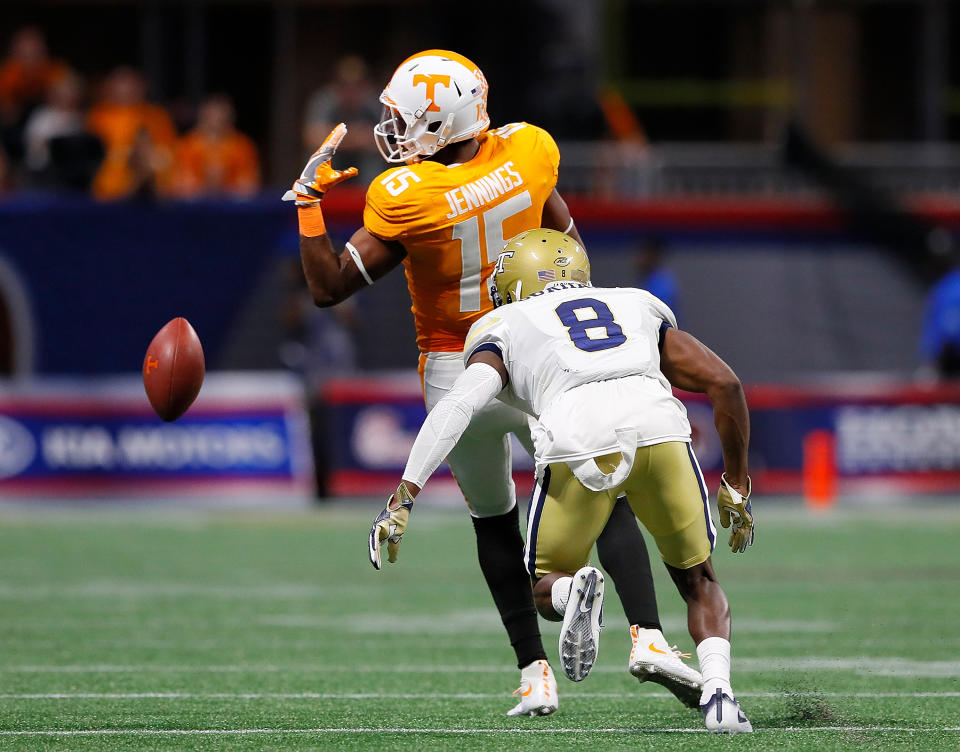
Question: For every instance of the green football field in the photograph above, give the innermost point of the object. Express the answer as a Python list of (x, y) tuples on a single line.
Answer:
[(229, 630)]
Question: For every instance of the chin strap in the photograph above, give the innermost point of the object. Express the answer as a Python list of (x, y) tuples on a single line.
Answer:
[(419, 112), (444, 132)]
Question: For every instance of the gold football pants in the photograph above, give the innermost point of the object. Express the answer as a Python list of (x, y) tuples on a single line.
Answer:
[(665, 489)]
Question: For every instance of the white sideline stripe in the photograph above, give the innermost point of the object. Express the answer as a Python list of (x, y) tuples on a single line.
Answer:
[(401, 730), (871, 666), (430, 695)]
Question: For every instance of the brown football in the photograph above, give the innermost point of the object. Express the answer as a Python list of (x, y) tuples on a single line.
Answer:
[(173, 369)]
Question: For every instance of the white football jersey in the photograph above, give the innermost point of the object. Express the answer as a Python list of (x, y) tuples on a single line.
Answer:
[(585, 361)]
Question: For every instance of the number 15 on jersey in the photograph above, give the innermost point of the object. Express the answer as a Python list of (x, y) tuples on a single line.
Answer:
[(469, 232)]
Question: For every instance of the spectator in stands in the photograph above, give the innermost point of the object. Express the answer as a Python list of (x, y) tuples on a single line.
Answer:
[(572, 107), (653, 276), (215, 159), (61, 115), (350, 98), (26, 77), (139, 138), (627, 147), (60, 152), (940, 343)]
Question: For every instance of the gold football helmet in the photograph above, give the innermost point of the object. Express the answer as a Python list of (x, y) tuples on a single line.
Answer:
[(534, 259)]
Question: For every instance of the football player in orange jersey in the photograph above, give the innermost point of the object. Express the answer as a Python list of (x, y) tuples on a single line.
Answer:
[(459, 192)]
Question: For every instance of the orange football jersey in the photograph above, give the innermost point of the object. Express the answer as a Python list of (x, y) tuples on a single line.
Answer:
[(454, 220)]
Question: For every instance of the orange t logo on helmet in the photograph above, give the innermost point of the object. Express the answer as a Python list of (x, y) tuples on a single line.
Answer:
[(431, 80)]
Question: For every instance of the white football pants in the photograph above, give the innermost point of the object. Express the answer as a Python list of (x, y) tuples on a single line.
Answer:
[(481, 459)]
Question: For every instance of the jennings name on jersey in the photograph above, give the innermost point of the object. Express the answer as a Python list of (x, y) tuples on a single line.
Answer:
[(453, 220), (585, 361)]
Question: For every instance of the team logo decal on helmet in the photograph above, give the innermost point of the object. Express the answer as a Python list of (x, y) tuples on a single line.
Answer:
[(435, 98), (532, 261)]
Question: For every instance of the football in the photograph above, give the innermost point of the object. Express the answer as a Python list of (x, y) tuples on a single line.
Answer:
[(173, 369)]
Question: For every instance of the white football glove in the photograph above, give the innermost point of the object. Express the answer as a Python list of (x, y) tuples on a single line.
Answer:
[(318, 175), (735, 511), (390, 525)]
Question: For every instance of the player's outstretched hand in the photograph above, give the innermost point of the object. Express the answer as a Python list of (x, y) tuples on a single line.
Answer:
[(390, 525), (735, 510), (318, 175)]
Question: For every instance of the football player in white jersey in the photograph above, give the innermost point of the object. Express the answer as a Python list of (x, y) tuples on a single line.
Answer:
[(595, 366)]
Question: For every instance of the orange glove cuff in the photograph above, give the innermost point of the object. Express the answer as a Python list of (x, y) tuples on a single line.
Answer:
[(311, 221)]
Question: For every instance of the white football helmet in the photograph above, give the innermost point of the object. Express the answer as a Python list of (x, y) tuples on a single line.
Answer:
[(435, 98)]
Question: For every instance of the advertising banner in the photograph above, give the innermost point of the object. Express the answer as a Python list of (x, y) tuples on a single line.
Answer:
[(882, 436), (81, 437)]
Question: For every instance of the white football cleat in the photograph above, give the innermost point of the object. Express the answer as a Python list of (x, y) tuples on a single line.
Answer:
[(652, 659), (537, 690), (723, 715), (580, 634)]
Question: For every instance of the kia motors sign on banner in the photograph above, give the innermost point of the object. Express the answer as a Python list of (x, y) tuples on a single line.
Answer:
[(98, 435)]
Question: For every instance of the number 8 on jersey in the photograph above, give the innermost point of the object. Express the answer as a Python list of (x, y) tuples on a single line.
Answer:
[(580, 329)]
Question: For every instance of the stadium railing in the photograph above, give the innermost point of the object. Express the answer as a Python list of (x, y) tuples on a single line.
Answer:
[(678, 169)]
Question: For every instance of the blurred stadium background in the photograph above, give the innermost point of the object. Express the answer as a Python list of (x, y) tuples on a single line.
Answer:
[(786, 173)]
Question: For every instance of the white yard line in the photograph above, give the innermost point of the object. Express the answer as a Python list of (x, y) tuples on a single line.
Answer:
[(486, 621), (862, 665), (143, 590), (431, 695), (456, 732), (480, 622)]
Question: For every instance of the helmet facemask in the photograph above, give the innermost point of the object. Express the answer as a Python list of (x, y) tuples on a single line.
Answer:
[(390, 135), (385, 134), (404, 136), (495, 294)]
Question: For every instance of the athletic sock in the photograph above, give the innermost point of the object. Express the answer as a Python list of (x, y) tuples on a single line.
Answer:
[(714, 657), (560, 594), (623, 553), (500, 551)]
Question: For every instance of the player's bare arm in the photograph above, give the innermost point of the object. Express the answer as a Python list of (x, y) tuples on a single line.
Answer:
[(556, 216), (690, 365), (334, 277)]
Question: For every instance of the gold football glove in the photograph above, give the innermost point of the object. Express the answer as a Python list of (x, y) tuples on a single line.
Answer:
[(390, 525), (735, 511), (318, 175)]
